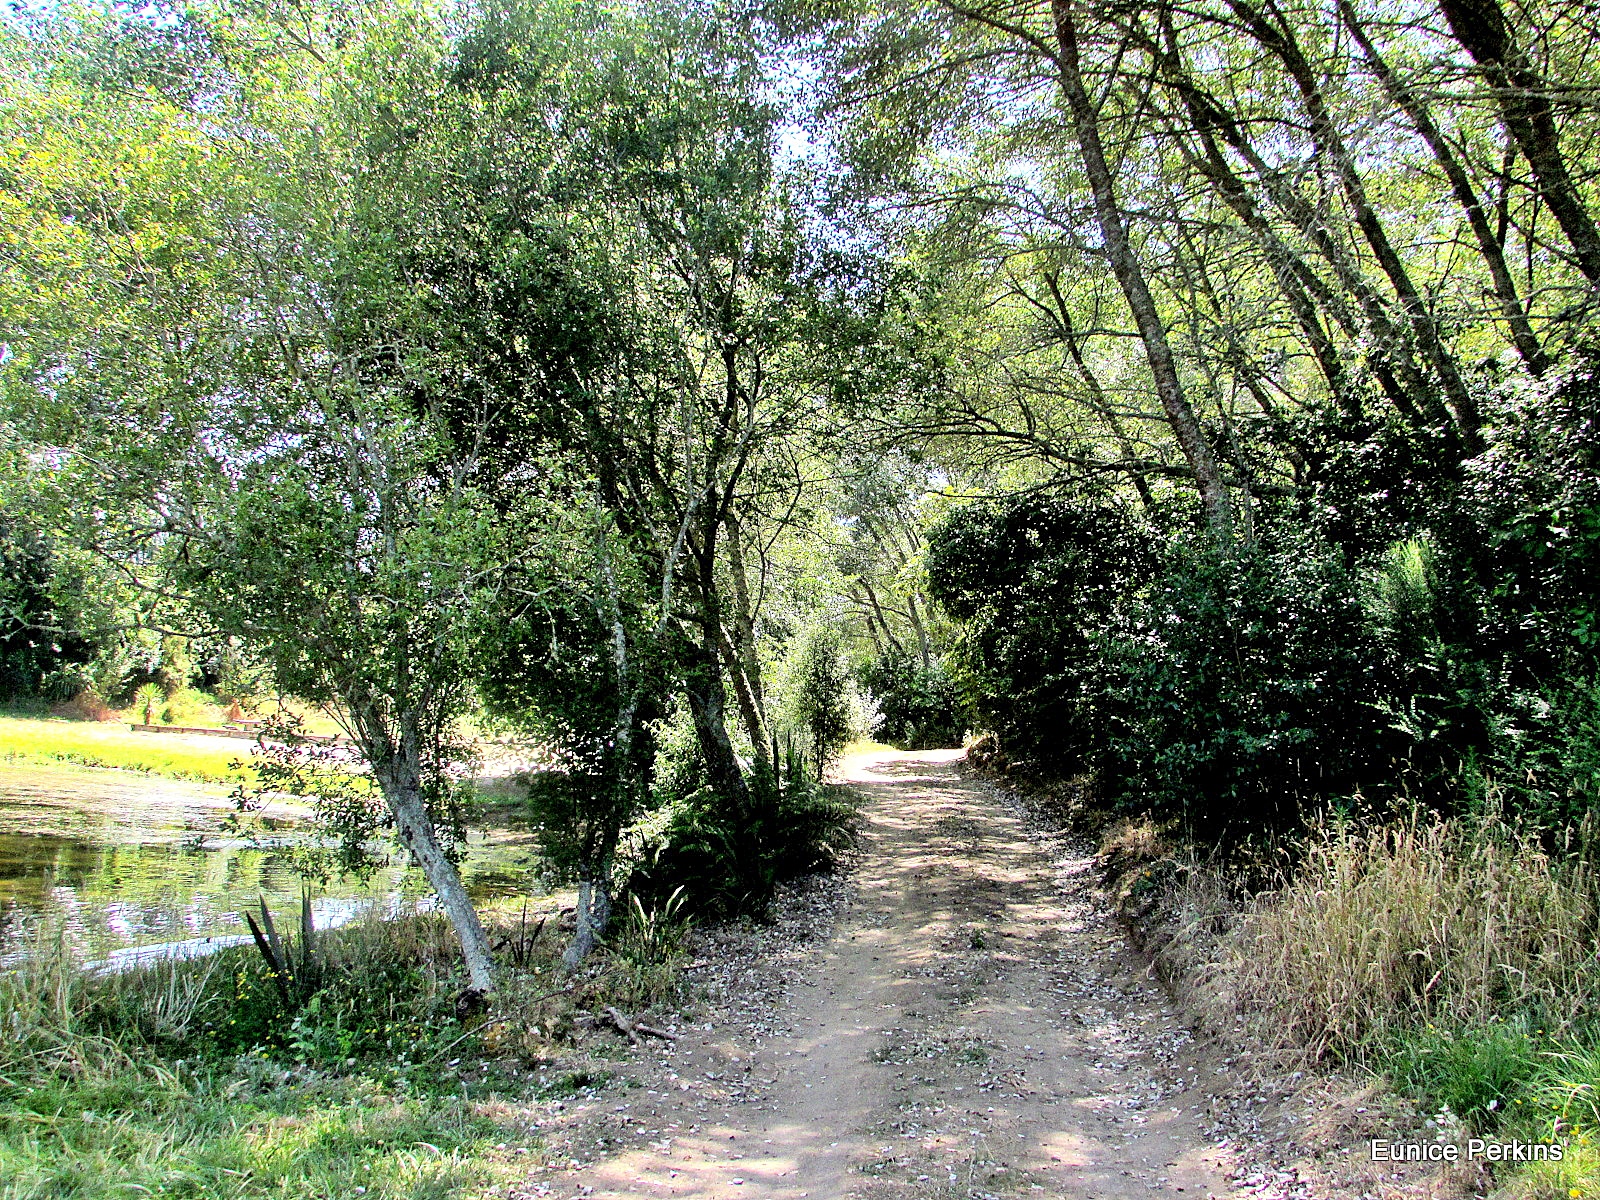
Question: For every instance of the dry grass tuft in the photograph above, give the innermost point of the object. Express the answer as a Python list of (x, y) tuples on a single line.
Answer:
[(1428, 921), (52, 1006), (1133, 841)]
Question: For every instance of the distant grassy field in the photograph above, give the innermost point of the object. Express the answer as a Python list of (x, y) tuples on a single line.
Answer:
[(107, 744)]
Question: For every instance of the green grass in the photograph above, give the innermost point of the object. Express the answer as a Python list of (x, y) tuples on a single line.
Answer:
[(1481, 1075), (44, 741), (222, 1134), (205, 1079), (1514, 1081), (198, 1079)]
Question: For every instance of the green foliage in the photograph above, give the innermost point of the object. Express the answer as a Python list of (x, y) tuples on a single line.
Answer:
[(194, 1070), (265, 1137), (579, 668), (1512, 1077), (238, 678), (38, 644), (1246, 686), (919, 708), (815, 701), (1528, 526), (349, 810), (653, 936), (175, 668), (1570, 1087), (1242, 688), (182, 706), (649, 948)]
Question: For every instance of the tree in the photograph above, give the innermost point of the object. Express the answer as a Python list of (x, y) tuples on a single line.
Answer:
[(1130, 274), (577, 659), (1482, 29), (817, 704), (229, 383), (662, 378)]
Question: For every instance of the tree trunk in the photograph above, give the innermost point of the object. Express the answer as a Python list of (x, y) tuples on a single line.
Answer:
[(1130, 275), (403, 791), (1097, 393), (743, 696), (594, 869), (1289, 272), (872, 599), (1393, 364), (593, 915), (703, 688), (744, 624), (1489, 246), (924, 648), (1278, 38), (1481, 28)]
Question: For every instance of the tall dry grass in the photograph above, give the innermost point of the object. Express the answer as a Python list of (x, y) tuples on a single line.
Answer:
[(1428, 921), (54, 1013)]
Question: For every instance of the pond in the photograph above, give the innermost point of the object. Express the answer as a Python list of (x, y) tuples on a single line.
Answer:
[(122, 859)]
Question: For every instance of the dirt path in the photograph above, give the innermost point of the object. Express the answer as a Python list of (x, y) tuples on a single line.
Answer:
[(973, 1028)]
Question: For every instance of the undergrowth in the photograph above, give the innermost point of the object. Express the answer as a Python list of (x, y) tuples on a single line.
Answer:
[(1447, 923), (1455, 958), (726, 863), (209, 1077)]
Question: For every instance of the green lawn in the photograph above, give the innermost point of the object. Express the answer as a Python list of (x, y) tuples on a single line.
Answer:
[(112, 744), (218, 1137)]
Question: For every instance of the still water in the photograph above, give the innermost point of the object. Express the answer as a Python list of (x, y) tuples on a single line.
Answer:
[(121, 859)]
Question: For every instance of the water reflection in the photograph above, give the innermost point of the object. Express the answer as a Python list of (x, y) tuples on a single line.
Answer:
[(125, 859)]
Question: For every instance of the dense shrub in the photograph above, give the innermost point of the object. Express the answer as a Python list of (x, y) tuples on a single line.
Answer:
[(1545, 758), (1528, 526), (1247, 687), (39, 653), (919, 708), (1034, 582), (1414, 627)]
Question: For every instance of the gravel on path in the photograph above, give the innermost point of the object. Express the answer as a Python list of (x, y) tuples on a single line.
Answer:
[(956, 1017)]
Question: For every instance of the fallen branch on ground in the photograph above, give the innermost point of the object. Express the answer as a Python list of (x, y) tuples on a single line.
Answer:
[(633, 1028)]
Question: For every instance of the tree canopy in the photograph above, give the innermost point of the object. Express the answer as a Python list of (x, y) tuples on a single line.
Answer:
[(1196, 396)]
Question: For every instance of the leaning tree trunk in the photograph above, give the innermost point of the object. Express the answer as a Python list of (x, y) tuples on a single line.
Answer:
[(593, 913), (401, 786), (1489, 248), (1130, 275), (1390, 356), (1482, 29), (1279, 40)]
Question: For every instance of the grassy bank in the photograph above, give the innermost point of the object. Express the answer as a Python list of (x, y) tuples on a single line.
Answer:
[(1454, 960), (207, 1079), (43, 741), (1457, 960), (203, 1134)]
